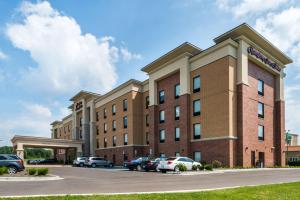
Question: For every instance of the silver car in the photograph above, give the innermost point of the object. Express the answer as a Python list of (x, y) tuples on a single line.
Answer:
[(79, 162), (98, 162)]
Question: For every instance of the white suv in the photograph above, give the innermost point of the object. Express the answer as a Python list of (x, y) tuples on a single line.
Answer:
[(171, 164)]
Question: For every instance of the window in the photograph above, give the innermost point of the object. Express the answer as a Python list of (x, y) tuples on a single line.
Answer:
[(3, 158), (97, 116), (97, 130), (177, 112), (114, 125), (162, 155), (197, 131), (162, 136), (197, 107), (125, 105), (97, 144), (80, 121), (161, 96), (104, 113), (147, 120), (125, 122), (177, 134), (147, 138), (177, 91), (177, 154), (261, 112), (114, 140), (105, 142), (105, 127), (147, 102), (196, 84), (197, 156), (261, 132), (113, 109), (125, 139), (80, 134), (161, 116), (260, 87)]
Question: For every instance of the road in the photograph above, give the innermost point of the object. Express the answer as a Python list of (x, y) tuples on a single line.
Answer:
[(86, 181)]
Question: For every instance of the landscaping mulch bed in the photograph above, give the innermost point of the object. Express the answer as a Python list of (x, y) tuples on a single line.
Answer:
[(22, 174)]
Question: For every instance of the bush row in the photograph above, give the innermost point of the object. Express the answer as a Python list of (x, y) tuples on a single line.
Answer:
[(38, 171), (3, 170)]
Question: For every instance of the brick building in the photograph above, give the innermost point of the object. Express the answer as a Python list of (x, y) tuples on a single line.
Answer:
[(223, 103)]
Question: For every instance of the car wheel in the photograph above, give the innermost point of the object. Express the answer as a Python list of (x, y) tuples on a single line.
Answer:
[(176, 169), (12, 170), (157, 169), (111, 165), (81, 165), (163, 171), (93, 165), (131, 169), (139, 168)]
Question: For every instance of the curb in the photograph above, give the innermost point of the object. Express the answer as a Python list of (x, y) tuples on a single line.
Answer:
[(12, 179)]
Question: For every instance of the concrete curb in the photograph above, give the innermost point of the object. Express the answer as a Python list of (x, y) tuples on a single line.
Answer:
[(26, 179)]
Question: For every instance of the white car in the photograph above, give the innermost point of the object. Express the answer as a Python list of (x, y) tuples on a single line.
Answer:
[(171, 164)]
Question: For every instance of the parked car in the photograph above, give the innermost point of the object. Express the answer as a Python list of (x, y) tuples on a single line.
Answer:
[(170, 164), (135, 164), (12, 162), (48, 161), (152, 164), (33, 162), (79, 161), (97, 162)]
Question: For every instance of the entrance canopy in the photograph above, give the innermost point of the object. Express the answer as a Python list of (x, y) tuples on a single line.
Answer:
[(20, 142)]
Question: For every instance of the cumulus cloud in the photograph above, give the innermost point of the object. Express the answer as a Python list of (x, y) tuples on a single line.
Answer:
[(292, 108), (3, 56), (244, 7), (127, 55), (67, 59)]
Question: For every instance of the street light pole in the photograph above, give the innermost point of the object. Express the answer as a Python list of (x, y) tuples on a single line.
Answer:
[(288, 138)]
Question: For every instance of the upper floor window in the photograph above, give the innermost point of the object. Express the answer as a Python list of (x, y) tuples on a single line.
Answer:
[(80, 134), (104, 113), (177, 91), (161, 116), (114, 125), (197, 130), (105, 142), (114, 141), (80, 121), (147, 138), (113, 109), (125, 139), (177, 134), (177, 112), (105, 127), (260, 87), (147, 102), (125, 105), (162, 136), (261, 112), (196, 107), (125, 122), (261, 132), (98, 144), (97, 130), (97, 116), (196, 84), (147, 120), (161, 96)]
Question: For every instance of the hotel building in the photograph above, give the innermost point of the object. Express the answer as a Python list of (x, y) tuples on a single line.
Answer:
[(222, 103)]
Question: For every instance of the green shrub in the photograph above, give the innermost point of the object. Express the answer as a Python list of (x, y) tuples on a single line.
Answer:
[(181, 167), (194, 167), (3, 170), (42, 171), (201, 167), (208, 167), (216, 164), (32, 171)]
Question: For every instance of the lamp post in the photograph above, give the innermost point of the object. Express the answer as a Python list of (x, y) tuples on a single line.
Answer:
[(288, 138)]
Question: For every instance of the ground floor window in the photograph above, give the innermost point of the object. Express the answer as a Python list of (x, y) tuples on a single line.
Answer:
[(125, 157), (162, 155), (197, 156), (177, 154)]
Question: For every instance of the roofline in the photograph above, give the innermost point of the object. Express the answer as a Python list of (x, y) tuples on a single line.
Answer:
[(84, 92), (168, 53), (218, 38)]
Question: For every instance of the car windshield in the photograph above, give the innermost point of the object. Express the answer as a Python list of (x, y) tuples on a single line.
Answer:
[(81, 158), (173, 158)]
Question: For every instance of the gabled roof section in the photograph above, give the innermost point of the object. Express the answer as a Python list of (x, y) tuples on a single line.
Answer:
[(55, 122), (84, 93), (181, 49), (247, 31)]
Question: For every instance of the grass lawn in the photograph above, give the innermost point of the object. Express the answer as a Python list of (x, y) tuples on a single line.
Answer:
[(288, 191)]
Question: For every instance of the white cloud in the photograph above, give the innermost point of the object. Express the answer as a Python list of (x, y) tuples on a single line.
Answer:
[(127, 55), (3, 56), (244, 7), (67, 60), (292, 108), (38, 110)]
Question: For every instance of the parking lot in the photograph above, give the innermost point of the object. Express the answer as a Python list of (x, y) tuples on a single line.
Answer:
[(101, 180)]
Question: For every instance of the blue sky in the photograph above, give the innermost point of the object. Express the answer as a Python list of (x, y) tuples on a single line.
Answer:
[(49, 50)]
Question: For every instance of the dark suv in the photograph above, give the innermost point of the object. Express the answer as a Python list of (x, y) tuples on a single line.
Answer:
[(12, 162)]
